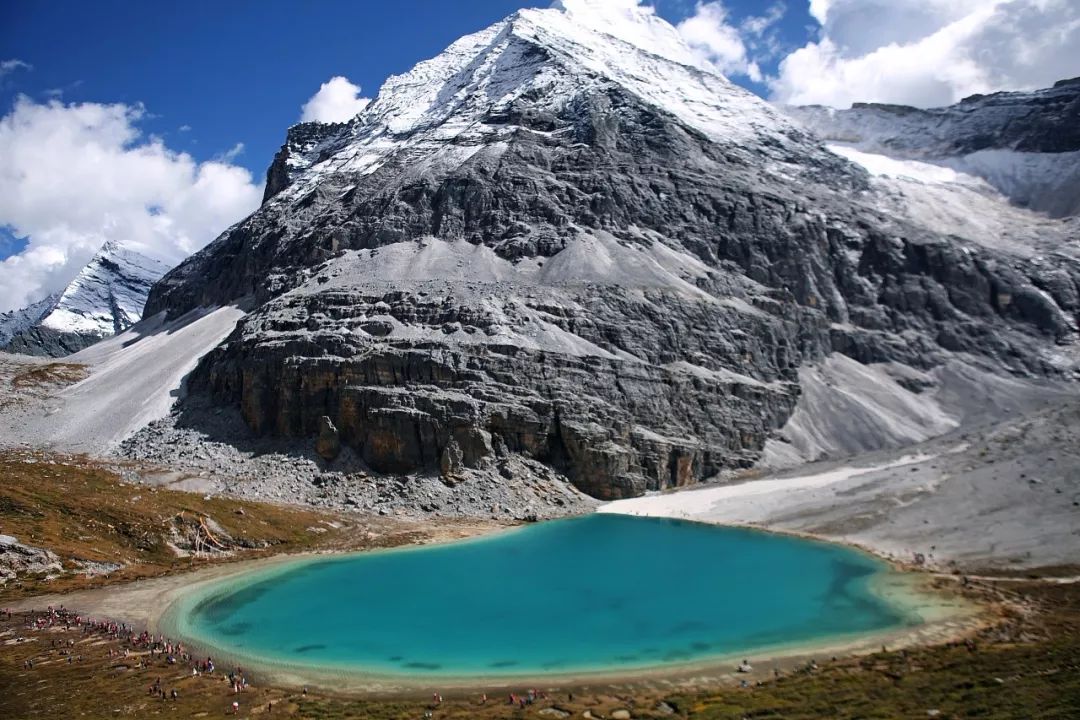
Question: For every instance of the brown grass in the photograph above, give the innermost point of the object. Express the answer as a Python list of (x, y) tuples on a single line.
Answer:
[(83, 511), (51, 375)]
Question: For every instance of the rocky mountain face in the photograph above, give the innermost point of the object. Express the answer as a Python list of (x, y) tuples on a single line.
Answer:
[(572, 245), (1025, 144), (106, 297), (19, 321)]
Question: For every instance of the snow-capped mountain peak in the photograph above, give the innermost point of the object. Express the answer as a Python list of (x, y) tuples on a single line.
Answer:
[(106, 297), (545, 58)]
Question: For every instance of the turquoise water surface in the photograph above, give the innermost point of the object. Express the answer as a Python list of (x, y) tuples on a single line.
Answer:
[(595, 593)]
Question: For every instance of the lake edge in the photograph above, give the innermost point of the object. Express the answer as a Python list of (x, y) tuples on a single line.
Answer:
[(929, 615)]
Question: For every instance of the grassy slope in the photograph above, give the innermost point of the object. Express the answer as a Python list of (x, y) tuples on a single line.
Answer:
[(82, 511)]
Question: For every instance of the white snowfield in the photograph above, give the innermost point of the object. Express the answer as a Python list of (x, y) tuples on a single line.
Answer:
[(949, 196), (747, 502), (135, 377)]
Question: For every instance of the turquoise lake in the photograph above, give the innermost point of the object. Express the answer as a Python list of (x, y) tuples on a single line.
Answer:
[(595, 593)]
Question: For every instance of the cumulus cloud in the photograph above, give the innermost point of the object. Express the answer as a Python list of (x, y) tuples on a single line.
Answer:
[(337, 100), (733, 49), (708, 31), (929, 52), (77, 175)]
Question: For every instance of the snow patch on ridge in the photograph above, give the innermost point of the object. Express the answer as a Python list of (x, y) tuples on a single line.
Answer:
[(713, 504), (884, 165), (950, 198)]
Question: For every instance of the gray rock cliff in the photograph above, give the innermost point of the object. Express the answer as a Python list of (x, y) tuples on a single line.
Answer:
[(551, 243)]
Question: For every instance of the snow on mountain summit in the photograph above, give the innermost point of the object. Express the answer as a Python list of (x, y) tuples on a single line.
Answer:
[(106, 297), (544, 56)]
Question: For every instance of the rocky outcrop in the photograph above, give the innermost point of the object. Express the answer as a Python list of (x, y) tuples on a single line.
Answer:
[(576, 273), (47, 342), (1042, 121), (301, 150), (17, 559)]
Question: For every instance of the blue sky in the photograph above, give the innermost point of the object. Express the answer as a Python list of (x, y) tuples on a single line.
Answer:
[(239, 71)]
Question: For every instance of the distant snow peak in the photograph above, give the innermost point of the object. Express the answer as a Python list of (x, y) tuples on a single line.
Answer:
[(18, 321), (106, 297)]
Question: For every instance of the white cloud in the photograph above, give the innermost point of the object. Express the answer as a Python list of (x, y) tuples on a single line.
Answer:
[(731, 49), (759, 25), (76, 175), (708, 31), (9, 66), (929, 52), (337, 100), (231, 154)]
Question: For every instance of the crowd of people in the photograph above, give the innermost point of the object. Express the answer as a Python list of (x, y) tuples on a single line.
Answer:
[(145, 645)]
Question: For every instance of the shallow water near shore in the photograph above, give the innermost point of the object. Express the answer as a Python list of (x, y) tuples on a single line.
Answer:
[(594, 594)]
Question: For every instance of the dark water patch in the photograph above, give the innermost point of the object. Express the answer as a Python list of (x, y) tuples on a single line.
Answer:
[(309, 648), (422, 666), (503, 664), (234, 629), (689, 626)]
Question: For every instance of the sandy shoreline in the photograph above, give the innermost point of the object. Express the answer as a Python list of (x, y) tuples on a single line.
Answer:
[(146, 604)]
